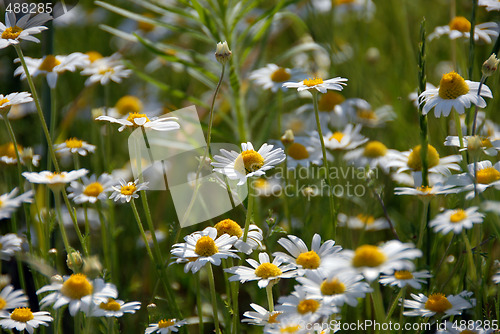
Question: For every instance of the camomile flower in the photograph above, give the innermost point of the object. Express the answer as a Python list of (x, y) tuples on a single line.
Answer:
[(135, 120), (435, 304), (318, 84), (453, 93), (165, 326), (488, 145), (305, 259), (232, 228), (11, 299), (104, 69), (363, 222), (9, 203), (413, 96), (14, 31), (127, 190), (55, 181), (261, 317), (23, 319), (287, 325), (92, 190), (359, 111), (456, 220), (303, 151), (78, 292), (204, 247), (113, 308), (474, 327), (486, 175), (264, 271), (13, 99), (402, 278), (267, 186), (425, 192), (348, 139), (459, 27), (374, 154), (126, 105), (248, 163), (272, 76), (9, 245), (300, 305), (75, 146), (8, 155), (362, 9), (490, 4)]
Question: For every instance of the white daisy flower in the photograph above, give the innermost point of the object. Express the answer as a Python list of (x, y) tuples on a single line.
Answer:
[(248, 163), (54, 180), (371, 260), (23, 319), (261, 317), (75, 146), (362, 9), (453, 92), (348, 139), (113, 308), (135, 120), (489, 4), (436, 303), (267, 186), (78, 292), (374, 154), (272, 76), (301, 305), (334, 287), (402, 278), (496, 278), (126, 105), (104, 69), (487, 175), (488, 145), (14, 31), (13, 99), (11, 299), (165, 326), (9, 245), (302, 257), (9, 203), (363, 222), (8, 155), (425, 192), (413, 96), (318, 84), (232, 228), (204, 247), (459, 27), (475, 327), (127, 190), (359, 111), (265, 272), (303, 123), (92, 189), (287, 325), (456, 220), (303, 151)]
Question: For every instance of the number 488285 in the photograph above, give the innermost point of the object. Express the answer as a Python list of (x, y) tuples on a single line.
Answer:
[(29, 8)]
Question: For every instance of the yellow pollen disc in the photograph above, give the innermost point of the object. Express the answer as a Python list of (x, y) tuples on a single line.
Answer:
[(12, 32), (77, 286), (166, 323), (273, 316), (343, 2), (460, 23), (3, 101), (146, 26), (2, 301), (366, 114), (403, 275), (374, 149), (280, 75), (129, 189), (230, 227), (368, 256), (337, 136), (366, 219), (415, 162), (249, 161), (8, 150), (106, 70), (290, 329), (329, 100), (311, 82), (485, 142), (110, 305), (307, 305), (22, 314), (93, 56), (73, 143), (48, 63), (266, 270), (94, 189), (424, 189), (332, 287), (437, 302), (128, 104), (298, 151), (458, 215), (133, 115), (487, 175), (308, 260), (205, 246), (452, 85), (261, 183)]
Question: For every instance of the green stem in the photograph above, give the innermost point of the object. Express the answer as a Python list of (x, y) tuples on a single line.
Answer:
[(401, 318), (199, 305), (395, 304), (270, 300), (250, 204), (104, 239), (470, 257), (141, 229), (423, 225), (211, 281), (12, 136), (378, 303), (57, 196), (75, 222)]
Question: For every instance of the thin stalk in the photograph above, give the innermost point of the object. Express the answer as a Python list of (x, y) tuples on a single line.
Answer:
[(474, 122), (423, 225), (422, 81), (378, 303), (141, 229), (250, 204), (270, 300), (395, 304), (401, 318), (12, 136), (52, 120), (199, 305), (470, 257), (75, 222), (57, 196), (104, 239), (211, 281)]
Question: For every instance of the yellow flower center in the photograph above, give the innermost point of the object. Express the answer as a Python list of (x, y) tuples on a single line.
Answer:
[(366, 114), (230, 227), (3, 101), (94, 189), (307, 306), (298, 151), (128, 104), (250, 161), (73, 143), (452, 85), (2, 301), (205, 246), (266, 270), (311, 82), (368, 256), (329, 100), (93, 56), (22, 314), (106, 70), (261, 183), (166, 323), (48, 63), (77, 286), (366, 219), (332, 287), (146, 26), (9, 150), (425, 189), (128, 189), (12, 32), (485, 142), (403, 275), (273, 316), (487, 175), (290, 329), (133, 115), (374, 149), (308, 260), (337, 136), (458, 215), (280, 75), (110, 305), (343, 2), (460, 23), (438, 303), (415, 162)]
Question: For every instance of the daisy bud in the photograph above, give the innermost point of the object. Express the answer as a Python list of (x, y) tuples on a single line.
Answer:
[(474, 145), (53, 252), (92, 267), (490, 65), (74, 261), (4, 281), (288, 137), (56, 279), (222, 54)]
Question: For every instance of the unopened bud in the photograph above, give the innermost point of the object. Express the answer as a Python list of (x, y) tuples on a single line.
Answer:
[(74, 261), (490, 65), (4, 281), (53, 252), (288, 137), (222, 53), (92, 267), (56, 279)]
